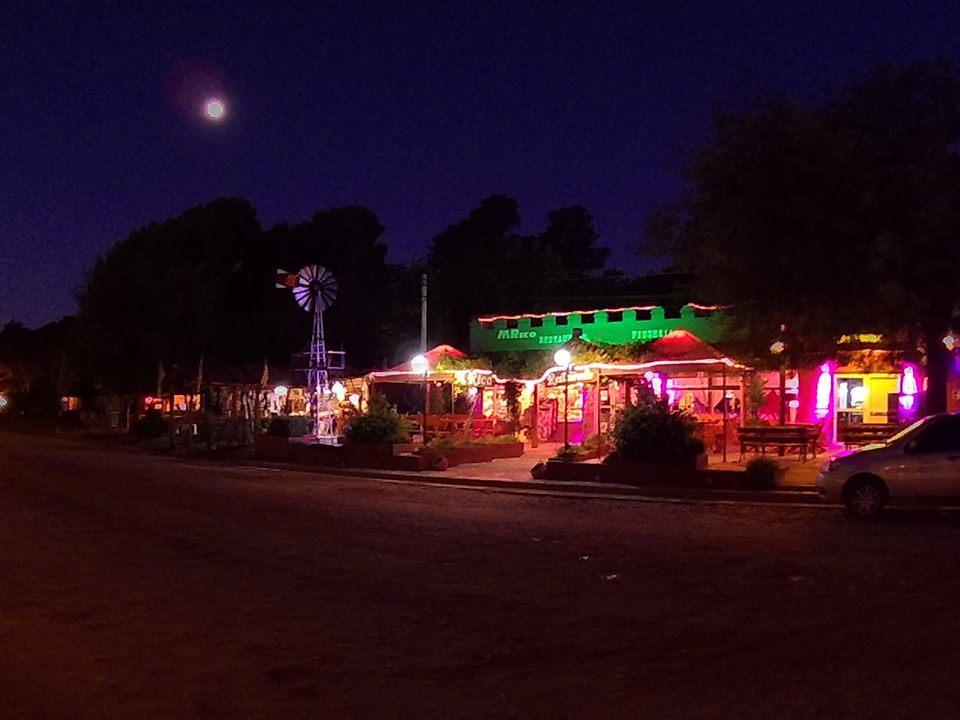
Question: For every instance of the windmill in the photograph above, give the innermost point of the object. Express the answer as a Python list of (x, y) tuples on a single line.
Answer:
[(315, 288)]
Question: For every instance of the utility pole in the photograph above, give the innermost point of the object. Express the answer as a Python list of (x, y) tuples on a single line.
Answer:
[(423, 313)]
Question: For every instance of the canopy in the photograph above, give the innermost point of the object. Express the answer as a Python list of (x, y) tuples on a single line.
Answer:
[(676, 352), (403, 373)]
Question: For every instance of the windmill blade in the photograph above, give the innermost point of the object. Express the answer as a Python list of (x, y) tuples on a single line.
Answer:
[(325, 286), (306, 275), (304, 296), (314, 287)]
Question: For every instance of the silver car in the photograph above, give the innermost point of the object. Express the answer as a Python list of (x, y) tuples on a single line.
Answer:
[(920, 464)]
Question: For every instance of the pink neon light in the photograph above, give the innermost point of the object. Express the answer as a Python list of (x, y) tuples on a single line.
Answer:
[(908, 381), (824, 388), (908, 390)]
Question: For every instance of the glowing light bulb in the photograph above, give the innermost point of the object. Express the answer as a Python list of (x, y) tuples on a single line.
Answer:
[(420, 365)]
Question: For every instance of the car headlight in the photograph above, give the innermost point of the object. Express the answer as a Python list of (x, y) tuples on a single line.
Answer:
[(827, 466)]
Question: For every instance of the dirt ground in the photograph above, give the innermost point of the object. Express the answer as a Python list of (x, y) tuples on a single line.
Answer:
[(142, 587)]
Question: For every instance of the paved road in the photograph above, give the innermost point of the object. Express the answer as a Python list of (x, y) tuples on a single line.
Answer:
[(140, 587)]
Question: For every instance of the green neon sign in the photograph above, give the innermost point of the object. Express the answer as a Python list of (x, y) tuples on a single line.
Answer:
[(610, 327)]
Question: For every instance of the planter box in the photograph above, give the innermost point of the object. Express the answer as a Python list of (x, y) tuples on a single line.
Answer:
[(316, 455), (382, 456), (685, 474), (378, 456), (481, 453), (588, 455), (271, 448), (470, 454)]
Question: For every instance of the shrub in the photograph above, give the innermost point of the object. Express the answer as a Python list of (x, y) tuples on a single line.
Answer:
[(569, 453), (379, 424), (150, 426), (595, 442), (278, 427), (495, 439), (449, 442), (762, 473), (652, 430)]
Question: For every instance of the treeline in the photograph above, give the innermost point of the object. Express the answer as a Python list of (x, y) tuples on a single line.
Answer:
[(201, 285), (814, 217)]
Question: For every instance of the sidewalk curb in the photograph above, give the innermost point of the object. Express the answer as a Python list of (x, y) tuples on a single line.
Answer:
[(807, 497)]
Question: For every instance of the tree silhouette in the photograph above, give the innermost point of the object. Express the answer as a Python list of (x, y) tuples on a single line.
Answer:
[(834, 216)]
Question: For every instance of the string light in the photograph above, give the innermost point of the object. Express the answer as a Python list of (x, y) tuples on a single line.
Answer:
[(641, 308)]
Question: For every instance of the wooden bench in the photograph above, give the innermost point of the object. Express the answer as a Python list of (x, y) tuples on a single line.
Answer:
[(800, 438), (865, 434)]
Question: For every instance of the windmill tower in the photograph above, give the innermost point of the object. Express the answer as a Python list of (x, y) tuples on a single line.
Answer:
[(315, 288)]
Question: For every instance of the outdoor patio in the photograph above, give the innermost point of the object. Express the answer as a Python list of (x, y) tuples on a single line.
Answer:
[(798, 473)]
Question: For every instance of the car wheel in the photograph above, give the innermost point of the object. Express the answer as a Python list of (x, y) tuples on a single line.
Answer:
[(865, 498)]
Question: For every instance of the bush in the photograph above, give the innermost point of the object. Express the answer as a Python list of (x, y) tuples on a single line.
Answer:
[(447, 442), (278, 427), (596, 442), (569, 453), (762, 473), (450, 442), (652, 430), (379, 424), (150, 426)]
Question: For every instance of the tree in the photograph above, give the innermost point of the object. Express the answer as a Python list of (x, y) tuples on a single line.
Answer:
[(481, 264), (468, 263), (363, 319), (831, 216), (201, 284), (35, 366), (159, 295), (572, 238)]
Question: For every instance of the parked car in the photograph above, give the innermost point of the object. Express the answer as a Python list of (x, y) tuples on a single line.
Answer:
[(920, 464)]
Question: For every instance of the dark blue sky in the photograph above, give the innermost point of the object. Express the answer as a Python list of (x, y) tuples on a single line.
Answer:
[(416, 110)]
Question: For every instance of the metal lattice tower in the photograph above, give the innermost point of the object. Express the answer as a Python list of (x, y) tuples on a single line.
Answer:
[(315, 288)]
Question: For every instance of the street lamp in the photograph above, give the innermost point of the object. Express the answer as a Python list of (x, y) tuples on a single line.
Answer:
[(562, 358), (421, 366), (776, 349)]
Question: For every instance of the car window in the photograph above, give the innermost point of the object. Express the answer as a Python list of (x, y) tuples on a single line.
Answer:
[(909, 429), (943, 435)]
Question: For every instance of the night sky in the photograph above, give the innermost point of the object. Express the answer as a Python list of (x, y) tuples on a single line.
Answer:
[(417, 110)]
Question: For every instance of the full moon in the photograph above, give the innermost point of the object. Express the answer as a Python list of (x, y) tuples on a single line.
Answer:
[(215, 109)]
